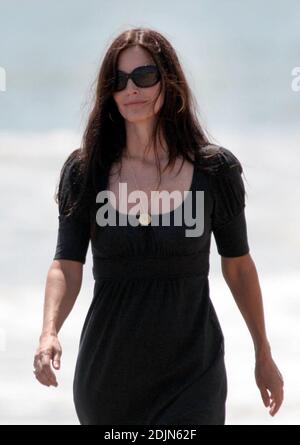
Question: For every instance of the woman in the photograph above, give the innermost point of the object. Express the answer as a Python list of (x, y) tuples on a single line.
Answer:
[(151, 348)]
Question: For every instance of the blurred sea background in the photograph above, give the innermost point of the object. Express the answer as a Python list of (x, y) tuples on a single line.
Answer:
[(238, 58)]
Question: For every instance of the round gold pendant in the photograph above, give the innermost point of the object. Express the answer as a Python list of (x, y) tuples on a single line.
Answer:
[(144, 219)]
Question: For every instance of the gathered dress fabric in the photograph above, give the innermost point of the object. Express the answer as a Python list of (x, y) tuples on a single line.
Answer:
[(151, 349)]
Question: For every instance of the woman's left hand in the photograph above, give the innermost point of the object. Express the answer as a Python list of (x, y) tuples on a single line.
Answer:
[(270, 383)]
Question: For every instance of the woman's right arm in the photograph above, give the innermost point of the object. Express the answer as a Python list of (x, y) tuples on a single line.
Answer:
[(63, 285), (64, 276)]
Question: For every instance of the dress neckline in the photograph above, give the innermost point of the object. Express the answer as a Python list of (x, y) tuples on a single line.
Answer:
[(190, 190)]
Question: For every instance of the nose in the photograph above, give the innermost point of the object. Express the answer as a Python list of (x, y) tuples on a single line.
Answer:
[(131, 85)]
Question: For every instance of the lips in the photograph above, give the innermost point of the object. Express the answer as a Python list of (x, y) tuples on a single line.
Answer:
[(136, 103)]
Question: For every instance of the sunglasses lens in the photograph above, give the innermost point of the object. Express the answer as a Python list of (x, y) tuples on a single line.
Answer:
[(120, 83), (144, 76)]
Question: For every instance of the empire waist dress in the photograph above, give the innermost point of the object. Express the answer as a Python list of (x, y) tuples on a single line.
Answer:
[(151, 350)]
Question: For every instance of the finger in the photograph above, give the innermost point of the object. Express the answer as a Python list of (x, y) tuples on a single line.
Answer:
[(40, 372), (38, 358), (35, 361), (50, 375), (38, 365), (274, 409), (42, 378), (277, 400), (265, 396), (56, 360), (47, 370)]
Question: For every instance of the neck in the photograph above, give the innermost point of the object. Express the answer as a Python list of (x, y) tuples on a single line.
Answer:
[(146, 159), (138, 147)]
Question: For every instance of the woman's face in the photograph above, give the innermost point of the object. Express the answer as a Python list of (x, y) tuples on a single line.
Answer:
[(129, 59)]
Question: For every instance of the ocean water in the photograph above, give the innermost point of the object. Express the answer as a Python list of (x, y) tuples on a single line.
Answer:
[(238, 58)]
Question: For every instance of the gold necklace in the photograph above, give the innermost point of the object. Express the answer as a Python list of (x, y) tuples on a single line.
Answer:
[(145, 217)]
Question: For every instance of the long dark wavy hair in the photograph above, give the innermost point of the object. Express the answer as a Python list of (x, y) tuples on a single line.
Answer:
[(104, 137)]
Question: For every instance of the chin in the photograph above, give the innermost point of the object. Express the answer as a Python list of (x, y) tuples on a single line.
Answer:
[(138, 118)]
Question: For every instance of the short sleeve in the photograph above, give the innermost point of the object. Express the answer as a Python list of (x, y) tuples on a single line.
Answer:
[(73, 230), (228, 216)]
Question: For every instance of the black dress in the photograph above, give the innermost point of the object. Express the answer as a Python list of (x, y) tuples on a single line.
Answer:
[(151, 349)]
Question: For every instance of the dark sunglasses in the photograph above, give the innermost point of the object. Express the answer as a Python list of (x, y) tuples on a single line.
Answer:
[(144, 76)]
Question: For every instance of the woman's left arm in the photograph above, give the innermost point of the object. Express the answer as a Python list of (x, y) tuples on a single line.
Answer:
[(242, 279)]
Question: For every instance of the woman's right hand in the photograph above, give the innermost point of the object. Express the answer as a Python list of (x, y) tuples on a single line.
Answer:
[(49, 349)]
